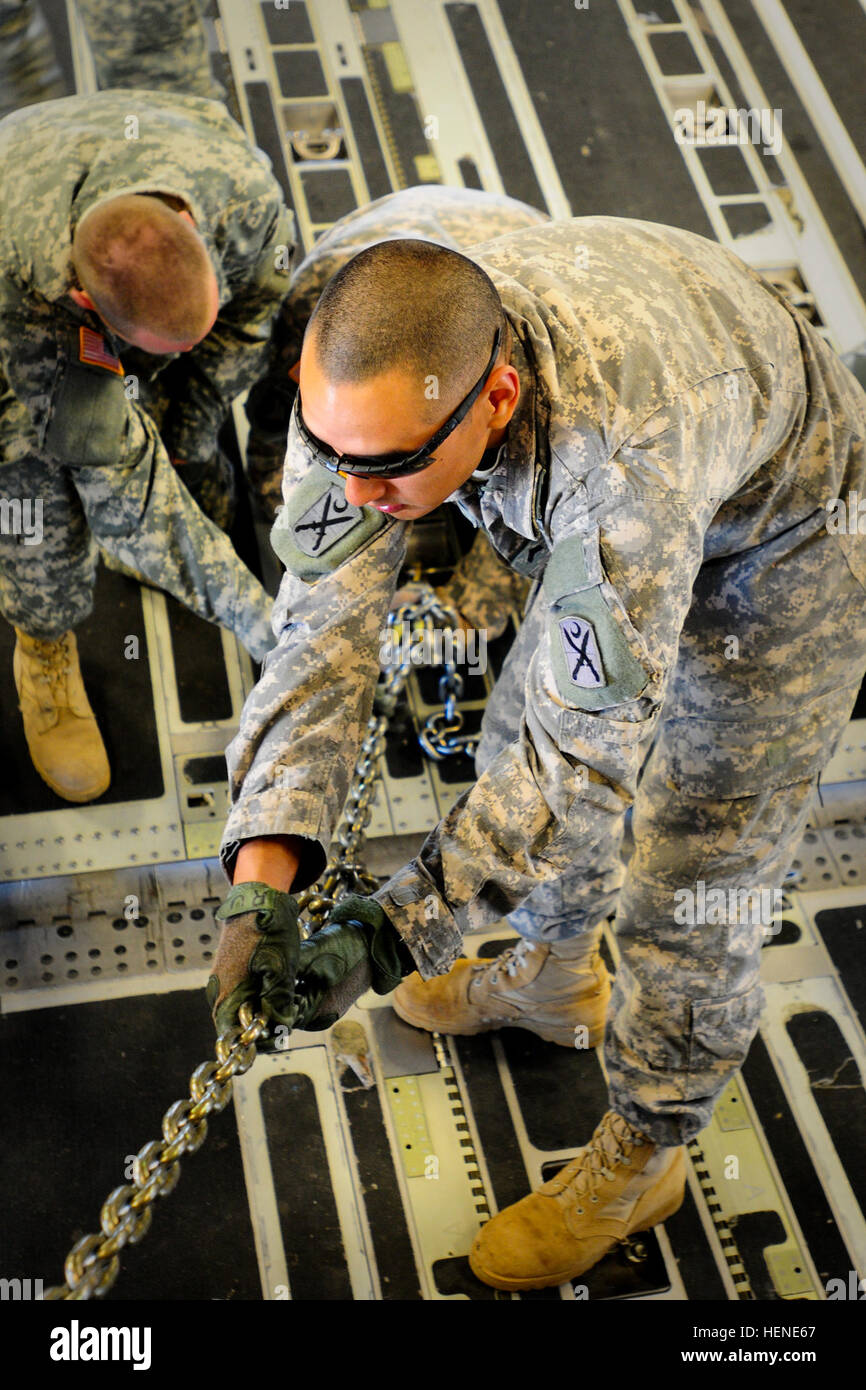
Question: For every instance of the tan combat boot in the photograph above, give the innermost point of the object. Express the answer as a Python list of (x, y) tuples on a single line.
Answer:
[(618, 1184), (62, 734), (552, 990)]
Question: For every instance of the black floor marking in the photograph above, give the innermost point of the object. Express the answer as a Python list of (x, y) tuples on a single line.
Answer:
[(787, 935), (88, 1086), (693, 1254), (807, 1196), (392, 1246), (329, 194), (312, 1240), (267, 133), (592, 93), (469, 173), (210, 768), (454, 1276), (800, 134), (403, 756), (300, 74), (491, 97), (366, 137), (754, 1232), (120, 694), (202, 683), (398, 113), (288, 24), (402, 1049), (837, 1090), (843, 931), (57, 20), (492, 1119), (832, 48), (561, 1091)]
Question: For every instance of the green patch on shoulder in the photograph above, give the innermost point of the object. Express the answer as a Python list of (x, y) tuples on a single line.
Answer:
[(318, 529), (593, 663)]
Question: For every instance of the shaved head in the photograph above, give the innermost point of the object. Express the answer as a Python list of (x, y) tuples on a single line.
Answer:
[(146, 268), (411, 306)]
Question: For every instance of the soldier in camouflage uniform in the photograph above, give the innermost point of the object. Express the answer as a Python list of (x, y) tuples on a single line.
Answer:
[(659, 448), (158, 44), (29, 70), (88, 423)]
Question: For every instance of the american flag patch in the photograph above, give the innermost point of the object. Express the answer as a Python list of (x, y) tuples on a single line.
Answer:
[(92, 351)]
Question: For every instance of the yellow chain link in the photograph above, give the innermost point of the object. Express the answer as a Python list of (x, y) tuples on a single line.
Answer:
[(92, 1264)]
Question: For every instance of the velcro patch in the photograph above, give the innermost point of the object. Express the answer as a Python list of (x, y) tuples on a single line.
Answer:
[(318, 529), (92, 352), (593, 645), (582, 658), (321, 525)]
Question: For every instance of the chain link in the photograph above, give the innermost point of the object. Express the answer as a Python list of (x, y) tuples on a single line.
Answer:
[(93, 1264), (344, 873)]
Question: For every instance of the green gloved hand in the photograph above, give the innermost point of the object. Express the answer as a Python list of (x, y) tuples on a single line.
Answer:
[(257, 957), (357, 949)]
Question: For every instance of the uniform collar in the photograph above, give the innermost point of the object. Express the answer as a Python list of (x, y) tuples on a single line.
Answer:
[(506, 488)]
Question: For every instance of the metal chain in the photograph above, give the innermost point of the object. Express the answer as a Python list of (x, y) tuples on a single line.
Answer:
[(92, 1264), (344, 872)]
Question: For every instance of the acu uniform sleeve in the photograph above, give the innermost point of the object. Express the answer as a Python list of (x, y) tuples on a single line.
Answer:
[(65, 377), (291, 762)]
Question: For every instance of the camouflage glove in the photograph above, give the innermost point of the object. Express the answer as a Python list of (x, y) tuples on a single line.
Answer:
[(257, 958), (357, 950)]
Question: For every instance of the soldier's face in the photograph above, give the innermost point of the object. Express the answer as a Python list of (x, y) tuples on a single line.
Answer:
[(389, 414)]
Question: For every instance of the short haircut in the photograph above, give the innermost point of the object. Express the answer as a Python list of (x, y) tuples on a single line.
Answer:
[(409, 305), (144, 267)]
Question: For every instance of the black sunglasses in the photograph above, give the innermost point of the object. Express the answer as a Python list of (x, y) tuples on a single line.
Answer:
[(394, 465)]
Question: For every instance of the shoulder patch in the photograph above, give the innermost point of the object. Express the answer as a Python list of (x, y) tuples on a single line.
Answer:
[(89, 410), (318, 529), (599, 660), (92, 352)]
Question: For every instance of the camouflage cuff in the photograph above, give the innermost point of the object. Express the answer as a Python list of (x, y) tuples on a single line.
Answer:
[(417, 910)]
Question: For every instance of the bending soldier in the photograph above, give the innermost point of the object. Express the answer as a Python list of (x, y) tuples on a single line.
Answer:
[(143, 256), (648, 429)]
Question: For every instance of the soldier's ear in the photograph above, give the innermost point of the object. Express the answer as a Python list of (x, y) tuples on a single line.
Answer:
[(82, 300)]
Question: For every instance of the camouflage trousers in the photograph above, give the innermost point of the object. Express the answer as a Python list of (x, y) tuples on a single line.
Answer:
[(721, 803), (29, 70), (160, 44), (143, 516)]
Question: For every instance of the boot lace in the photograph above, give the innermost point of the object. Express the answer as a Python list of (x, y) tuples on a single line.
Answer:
[(612, 1144), (54, 660), (510, 961)]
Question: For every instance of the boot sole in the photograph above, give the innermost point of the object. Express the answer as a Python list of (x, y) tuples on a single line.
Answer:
[(547, 1034), (647, 1213)]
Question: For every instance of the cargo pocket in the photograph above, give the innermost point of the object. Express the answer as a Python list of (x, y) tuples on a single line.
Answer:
[(717, 758), (722, 1031)]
